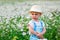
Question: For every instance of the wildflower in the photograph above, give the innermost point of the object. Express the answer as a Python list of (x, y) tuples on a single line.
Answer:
[(24, 33)]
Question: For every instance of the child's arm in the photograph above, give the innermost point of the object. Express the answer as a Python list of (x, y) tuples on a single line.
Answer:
[(40, 35), (31, 30), (44, 30), (34, 32)]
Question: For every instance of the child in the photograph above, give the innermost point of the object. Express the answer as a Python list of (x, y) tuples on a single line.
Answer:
[(36, 27)]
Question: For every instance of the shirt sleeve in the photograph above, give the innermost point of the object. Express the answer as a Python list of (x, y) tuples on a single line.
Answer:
[(31, 23)]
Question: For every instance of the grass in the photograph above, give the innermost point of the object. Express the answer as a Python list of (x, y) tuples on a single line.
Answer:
[(11, 29)]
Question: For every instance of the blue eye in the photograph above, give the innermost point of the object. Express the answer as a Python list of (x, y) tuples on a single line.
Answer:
[(34, 14)]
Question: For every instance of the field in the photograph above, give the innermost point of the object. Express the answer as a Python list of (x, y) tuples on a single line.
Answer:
[(14, 19)]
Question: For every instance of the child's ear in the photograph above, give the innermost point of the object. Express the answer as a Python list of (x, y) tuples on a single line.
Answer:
[(40, 14)]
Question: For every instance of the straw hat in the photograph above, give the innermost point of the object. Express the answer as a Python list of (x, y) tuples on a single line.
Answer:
[(36, 8)]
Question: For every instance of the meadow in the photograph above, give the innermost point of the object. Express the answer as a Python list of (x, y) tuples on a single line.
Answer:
[(16, 27), (14, 19)]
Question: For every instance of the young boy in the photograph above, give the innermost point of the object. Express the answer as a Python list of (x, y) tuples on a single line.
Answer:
[(36, 26)]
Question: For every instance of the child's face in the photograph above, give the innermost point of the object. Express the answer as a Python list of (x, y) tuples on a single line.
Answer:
[(35, 15)]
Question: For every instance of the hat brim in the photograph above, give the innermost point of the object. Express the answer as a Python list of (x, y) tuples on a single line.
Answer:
[(35, 11)]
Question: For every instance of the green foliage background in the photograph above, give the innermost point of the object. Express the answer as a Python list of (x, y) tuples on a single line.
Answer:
[(9, 29)]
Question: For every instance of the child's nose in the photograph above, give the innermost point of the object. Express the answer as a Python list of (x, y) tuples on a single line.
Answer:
[(34, 15)]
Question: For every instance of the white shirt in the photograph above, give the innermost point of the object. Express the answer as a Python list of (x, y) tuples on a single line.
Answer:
[(38, 24)]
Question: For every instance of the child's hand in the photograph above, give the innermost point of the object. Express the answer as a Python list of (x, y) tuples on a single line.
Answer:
[(37, 32), (39, 35)]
